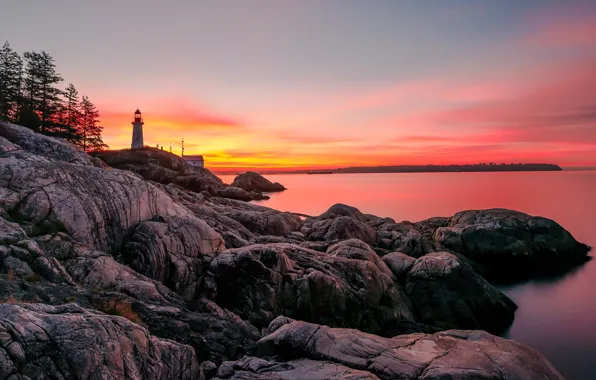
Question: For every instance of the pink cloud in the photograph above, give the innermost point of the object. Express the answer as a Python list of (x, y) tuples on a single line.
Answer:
[(562, 26)]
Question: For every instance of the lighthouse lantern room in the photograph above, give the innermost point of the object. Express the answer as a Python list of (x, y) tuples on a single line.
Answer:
[(137, 130)]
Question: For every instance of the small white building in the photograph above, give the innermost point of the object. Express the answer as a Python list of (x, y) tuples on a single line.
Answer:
[(196, 161)]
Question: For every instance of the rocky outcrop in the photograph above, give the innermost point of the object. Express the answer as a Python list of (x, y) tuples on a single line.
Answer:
[(448, 293), (161, 166), (260, 282), (41, 341), (100, 267), (292, 347), (510, 245), (44, 146), (97, 207), (251, 181)]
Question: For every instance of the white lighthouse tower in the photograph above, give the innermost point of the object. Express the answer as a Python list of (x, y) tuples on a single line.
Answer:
[(137, 131)]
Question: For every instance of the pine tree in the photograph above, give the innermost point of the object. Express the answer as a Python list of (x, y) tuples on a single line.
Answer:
[(11, 67), (71, 121), (90, 129), (41, 92)]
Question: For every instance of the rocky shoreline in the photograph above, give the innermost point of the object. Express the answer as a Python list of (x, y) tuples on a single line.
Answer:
[(133, 265)]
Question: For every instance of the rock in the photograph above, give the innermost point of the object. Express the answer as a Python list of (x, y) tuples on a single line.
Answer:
[(209, 369), (42, 341), (251, 368), (340, 209), (161, 166), (251, 181), (95, 206), (234, 193), (399, 263), (512, 246), (340, 228), (10, 232), (448, 293), (174, 251), (215, 334), (406, 238), (359, 250), (452, 354), (263, 222), (40, 145), (260, 282)]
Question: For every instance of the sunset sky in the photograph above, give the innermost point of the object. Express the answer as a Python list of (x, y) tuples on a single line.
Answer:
[(330, 83)]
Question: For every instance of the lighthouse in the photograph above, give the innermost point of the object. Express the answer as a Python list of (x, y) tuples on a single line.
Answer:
[(137, 131)]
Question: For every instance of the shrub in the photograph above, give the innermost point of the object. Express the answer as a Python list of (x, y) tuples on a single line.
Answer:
[(33, 277), (122, 309)]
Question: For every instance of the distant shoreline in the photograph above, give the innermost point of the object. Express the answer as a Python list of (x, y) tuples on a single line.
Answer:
[(476, 168)]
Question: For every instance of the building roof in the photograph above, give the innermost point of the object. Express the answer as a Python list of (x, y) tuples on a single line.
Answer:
[(193, 158), (137, 112)]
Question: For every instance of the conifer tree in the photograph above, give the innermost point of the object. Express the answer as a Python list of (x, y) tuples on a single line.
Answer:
[(11, 66), (41, 92), (71, 120), (90, 131)]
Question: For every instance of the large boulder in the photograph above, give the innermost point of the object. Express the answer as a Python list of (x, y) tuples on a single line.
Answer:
[(251, 181), (292, 347), (175, 251), (399, 263), (448, 293), (510, 245), (69, 342), (339, 228), (260, 282)]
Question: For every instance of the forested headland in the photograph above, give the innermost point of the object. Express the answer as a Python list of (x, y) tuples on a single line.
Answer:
[(32, 94)]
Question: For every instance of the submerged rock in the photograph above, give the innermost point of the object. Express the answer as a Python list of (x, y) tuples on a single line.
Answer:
[(252, 181)]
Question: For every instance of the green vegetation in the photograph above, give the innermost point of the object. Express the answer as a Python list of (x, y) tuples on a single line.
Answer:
[(30, 96)]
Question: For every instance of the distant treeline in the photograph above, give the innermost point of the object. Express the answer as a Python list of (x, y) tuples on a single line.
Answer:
[(30, 96), (482, 167)]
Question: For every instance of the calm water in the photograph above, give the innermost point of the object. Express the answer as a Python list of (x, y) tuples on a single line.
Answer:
[(558, 317)]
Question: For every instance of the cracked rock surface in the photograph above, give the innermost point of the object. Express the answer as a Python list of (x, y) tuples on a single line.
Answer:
[(66, 342), (287, 351)]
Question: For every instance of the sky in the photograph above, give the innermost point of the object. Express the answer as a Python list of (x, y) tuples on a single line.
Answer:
[(276, 84)]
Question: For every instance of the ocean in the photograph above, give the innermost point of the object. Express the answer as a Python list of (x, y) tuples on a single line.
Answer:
[(557, 317)]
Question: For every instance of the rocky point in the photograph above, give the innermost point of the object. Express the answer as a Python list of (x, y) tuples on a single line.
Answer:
[(131, 264)]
